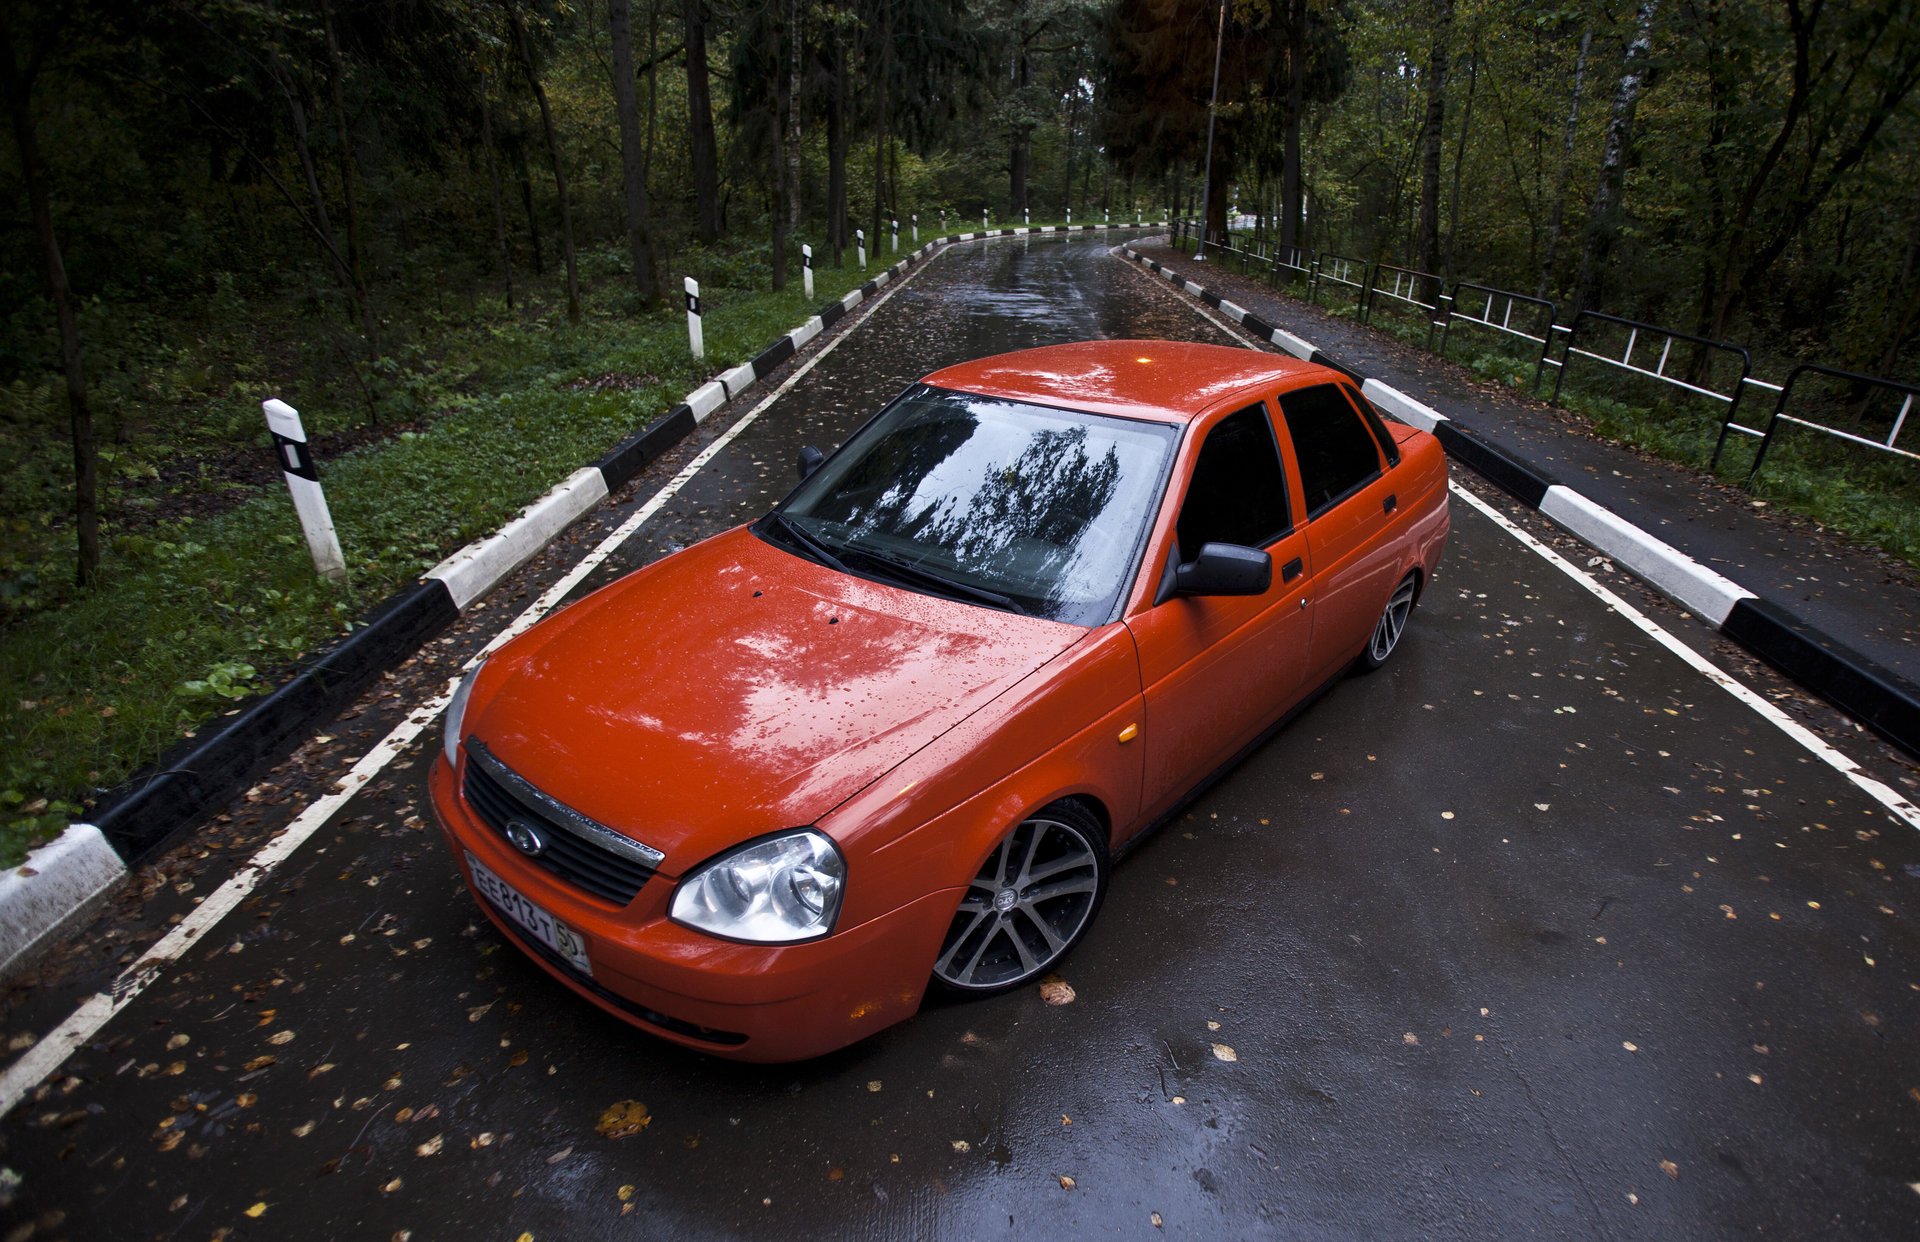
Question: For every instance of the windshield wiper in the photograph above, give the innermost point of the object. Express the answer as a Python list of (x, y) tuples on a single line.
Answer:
[(938, 582), (807, 543)]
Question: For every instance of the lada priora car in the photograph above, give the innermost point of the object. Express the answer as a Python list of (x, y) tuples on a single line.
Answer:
[(757, 796)]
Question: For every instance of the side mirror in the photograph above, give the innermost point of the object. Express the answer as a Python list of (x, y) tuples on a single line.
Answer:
[(810, 459), (1225, 569)]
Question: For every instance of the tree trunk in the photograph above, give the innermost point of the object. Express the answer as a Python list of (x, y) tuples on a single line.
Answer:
[(349, 206), (702, 147), (1290, 123), (1021, 152), (86, 485), (1557, 218), (881, 116), (837, 150), (493, 189), (792, 106), (526, 201), (553, 154), (777, 101), (1459, 158), (1429, 225), (1603, 224), (632, 170)]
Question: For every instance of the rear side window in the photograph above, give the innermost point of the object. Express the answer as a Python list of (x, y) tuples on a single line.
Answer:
[(1337, 452), (1239, 493)]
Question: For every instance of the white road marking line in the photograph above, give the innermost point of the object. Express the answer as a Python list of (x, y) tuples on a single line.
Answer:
[(40, 1061), (1884, 794)]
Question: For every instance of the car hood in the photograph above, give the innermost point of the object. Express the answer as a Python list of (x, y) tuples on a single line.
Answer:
[(735, 689)]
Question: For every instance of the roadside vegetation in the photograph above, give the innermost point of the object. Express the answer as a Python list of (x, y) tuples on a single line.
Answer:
[(452, 235)]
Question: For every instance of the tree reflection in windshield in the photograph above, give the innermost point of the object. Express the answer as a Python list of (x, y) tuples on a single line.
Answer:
[(1042, 505)]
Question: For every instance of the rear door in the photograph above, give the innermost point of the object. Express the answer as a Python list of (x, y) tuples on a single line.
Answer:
[(1347, 479), (1217, 670)]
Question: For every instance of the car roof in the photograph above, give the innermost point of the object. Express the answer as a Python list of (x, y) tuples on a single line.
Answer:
[(1167, 381)]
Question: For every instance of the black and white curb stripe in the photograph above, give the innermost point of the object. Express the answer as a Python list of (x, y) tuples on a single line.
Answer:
[(1871, 694), (63, 880)]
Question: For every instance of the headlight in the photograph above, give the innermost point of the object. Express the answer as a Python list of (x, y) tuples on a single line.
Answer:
[(457, 714), (773, 891)]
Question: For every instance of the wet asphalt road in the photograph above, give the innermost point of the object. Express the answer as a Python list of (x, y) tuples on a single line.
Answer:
[(1533, 933)]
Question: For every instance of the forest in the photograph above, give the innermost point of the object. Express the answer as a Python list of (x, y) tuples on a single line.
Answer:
[(452, 233)]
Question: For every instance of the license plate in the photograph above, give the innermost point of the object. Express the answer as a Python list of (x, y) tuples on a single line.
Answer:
[(530, 918)]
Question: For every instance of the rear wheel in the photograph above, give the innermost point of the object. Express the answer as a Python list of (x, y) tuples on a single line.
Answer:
[(1032, 900), (1392, 624)]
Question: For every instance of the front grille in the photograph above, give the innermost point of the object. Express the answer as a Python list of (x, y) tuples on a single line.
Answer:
[(578, 850)]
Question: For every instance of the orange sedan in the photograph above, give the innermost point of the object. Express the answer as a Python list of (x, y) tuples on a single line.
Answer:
[(756, 797)]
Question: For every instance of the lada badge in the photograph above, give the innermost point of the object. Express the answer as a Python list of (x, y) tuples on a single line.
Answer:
[(526, 838)]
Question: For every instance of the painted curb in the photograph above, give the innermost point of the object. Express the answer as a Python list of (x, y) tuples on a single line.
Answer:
[(171, 794), (62, 881), (1875, 696)]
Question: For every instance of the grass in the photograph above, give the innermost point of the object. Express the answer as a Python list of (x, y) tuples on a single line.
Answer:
[(191, 615)]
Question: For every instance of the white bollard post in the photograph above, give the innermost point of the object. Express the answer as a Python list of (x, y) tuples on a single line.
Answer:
[(916, 229), (303, 480), (860, 235), (896, 236), (1069, 217), (695, 338), (1026, 217), (1136, 215), (1106, 215), (806, 270), (983, 219)]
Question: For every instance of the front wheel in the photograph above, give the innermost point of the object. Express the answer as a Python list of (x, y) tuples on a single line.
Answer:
[(1392, 624), (1033, 899)]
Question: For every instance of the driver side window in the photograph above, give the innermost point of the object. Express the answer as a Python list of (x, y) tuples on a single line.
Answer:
[(1238, 493)]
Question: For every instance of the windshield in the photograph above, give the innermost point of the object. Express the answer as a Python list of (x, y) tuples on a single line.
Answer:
[(1018, 506)]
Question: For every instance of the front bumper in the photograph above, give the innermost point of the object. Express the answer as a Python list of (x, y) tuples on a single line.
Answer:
[(743, 1001)]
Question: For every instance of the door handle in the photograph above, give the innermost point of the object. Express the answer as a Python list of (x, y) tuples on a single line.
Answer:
[(1291, 570), (1390, 504)]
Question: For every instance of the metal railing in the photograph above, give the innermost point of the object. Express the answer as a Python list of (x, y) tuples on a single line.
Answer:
[(1648, 350), (1487, 307), (1888, 444), (1338, 269), (1404, 285), (1293, 260), (1659, 372)]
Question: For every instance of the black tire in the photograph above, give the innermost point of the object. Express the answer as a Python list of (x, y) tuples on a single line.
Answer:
[(1011, 927), (1392, 625)]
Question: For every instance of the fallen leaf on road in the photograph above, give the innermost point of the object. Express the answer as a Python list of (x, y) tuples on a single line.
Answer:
[(280, 1038), (624, 1119), (560, 1155), (1222, 1052), (1056, 991), (178, 1042), (429, 1148), (1670, 1169), (1067, 1183), (257, 1210)]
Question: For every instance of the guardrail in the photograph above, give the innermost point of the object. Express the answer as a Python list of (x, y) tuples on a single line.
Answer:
[(1407, 284), (1339, 269), (1486, 307), (1666, 336), (1888, 444), (1648, 350)]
